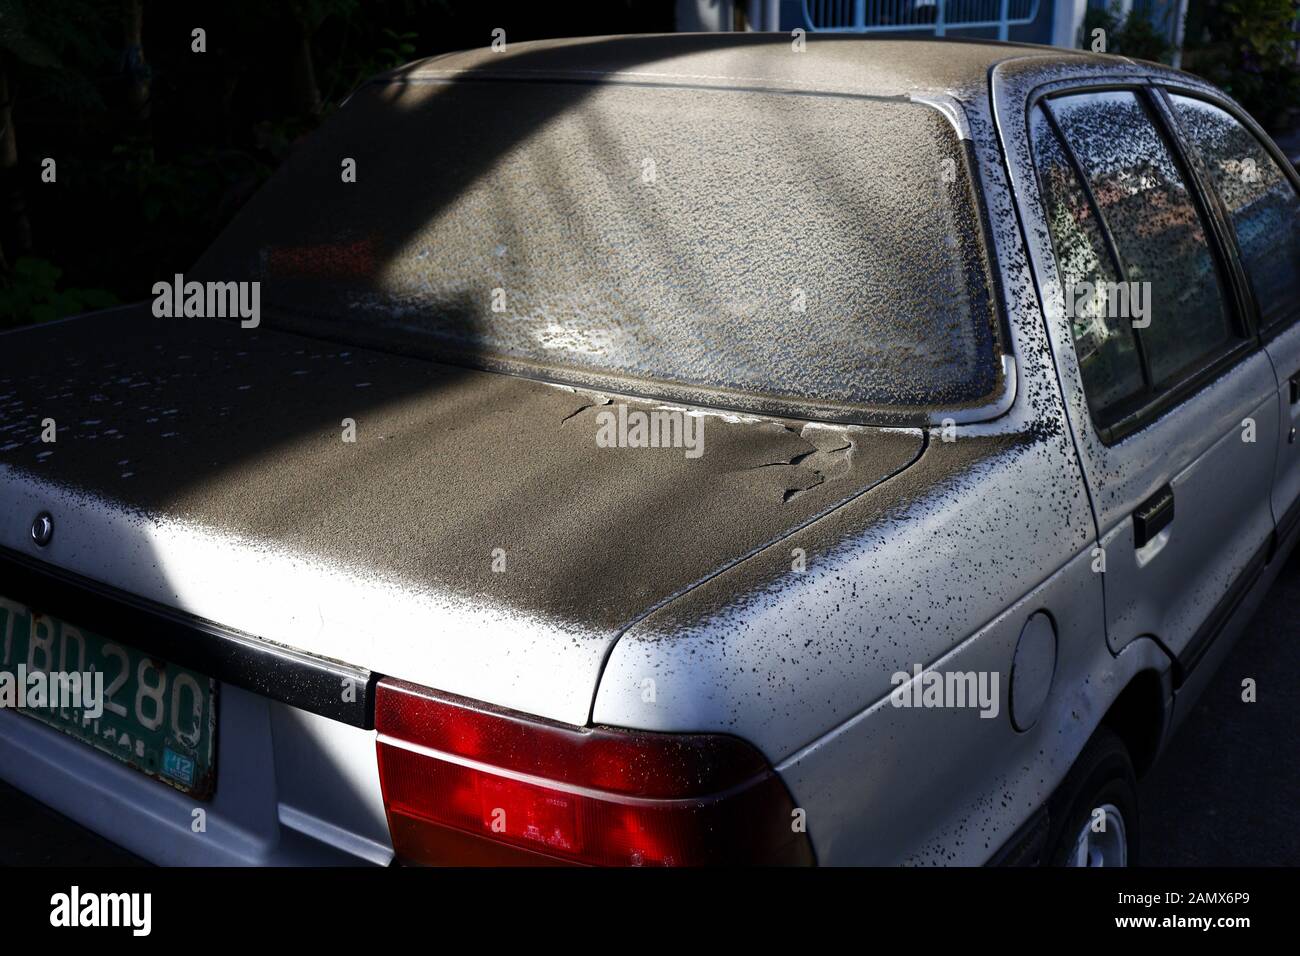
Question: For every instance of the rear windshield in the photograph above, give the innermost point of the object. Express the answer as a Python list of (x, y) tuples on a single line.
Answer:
[(805, 250)]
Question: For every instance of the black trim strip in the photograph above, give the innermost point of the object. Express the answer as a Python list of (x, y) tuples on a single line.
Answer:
[(1288, 524), (232, 657), (1218, 619)]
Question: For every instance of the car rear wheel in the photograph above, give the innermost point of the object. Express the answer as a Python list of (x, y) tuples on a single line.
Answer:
[(1096, 807)]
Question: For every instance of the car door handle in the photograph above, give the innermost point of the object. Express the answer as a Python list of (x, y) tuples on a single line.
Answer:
[(1153, 516), (1295, 388)]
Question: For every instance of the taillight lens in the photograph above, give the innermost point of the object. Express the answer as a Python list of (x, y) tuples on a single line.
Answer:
[(466, 784)]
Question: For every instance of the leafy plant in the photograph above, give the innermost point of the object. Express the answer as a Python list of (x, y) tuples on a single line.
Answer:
[(30, 292), (1133, 36), (1248, 48), (57, 45), (17, 40)]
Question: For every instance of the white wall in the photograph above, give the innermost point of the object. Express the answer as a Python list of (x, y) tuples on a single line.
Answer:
[(1066, 21), (704, 16)]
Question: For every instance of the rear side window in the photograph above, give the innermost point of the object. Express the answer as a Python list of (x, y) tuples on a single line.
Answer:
[(1106, 344), (1260, 199), (1175, 296)]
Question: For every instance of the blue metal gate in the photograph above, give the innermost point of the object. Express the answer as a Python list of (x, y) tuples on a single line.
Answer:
[(878, 16)]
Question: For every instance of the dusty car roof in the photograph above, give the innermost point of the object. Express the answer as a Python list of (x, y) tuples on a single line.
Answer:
[(829, 63)]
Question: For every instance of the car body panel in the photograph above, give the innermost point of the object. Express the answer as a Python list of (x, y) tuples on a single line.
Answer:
[(874, 794), (1170, 598), (1197, 448), (802, 663), (261, 813), (1276, 315), (223, 487), (1284, 352), (886, 587)]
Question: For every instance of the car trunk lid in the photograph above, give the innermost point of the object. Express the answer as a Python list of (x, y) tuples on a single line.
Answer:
[(476, 536)]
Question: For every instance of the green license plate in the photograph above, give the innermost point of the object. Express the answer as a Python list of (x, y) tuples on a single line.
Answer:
[(154, 716)]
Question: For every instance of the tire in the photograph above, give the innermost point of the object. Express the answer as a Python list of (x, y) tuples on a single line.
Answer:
[(1102, 778)]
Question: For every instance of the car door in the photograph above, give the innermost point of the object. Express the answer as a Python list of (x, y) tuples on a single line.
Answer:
[(1257, 190), (1172, 400)]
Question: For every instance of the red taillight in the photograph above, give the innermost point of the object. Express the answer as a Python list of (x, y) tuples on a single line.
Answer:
[(466, 784)]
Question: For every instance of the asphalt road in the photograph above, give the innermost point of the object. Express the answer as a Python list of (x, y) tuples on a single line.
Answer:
[(1226, 792)]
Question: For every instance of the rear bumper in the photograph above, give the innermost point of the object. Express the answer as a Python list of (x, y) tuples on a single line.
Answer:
[(297, 776), (292, 789)]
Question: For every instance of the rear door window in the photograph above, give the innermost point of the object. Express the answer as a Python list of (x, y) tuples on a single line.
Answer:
[(1260, 200), (1106, 344), (1174, 293)]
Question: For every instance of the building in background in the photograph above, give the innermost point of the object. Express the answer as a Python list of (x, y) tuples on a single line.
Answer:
[(1056, 22)]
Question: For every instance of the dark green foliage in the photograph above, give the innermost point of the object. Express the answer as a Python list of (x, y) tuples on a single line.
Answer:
[(1134, 36), (30, 292), (1249, 48), (158, 147)]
